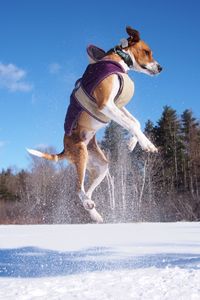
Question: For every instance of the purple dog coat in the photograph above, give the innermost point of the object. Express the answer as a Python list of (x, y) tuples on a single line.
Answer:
[(93, 75)]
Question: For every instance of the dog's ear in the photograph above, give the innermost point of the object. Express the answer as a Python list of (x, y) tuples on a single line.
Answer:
[(134, 34)]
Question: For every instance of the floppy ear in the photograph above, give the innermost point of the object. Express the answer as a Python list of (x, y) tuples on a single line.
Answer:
[(134, 34)]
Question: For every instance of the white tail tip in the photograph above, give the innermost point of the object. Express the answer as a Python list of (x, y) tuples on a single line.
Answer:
[(35, 152)]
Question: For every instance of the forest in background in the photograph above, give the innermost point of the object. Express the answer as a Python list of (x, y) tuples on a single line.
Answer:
[(139, 187)]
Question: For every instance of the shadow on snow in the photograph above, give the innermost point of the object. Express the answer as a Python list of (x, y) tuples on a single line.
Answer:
[(35, 262)]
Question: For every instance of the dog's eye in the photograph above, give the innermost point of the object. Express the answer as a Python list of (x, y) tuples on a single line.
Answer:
[(147, 52)]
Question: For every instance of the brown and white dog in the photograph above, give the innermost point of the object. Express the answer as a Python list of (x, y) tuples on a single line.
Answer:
[(81, 147)]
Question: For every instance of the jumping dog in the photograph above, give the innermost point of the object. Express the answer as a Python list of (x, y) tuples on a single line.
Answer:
[(100, 96)]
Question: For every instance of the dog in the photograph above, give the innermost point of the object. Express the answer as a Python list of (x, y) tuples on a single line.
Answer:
[(98, 97)]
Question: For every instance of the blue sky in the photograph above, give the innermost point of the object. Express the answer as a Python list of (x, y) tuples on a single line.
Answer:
[(42, 53)]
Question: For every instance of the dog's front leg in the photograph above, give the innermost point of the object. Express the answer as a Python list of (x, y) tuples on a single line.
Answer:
[(133, 139), (132, 143), (130, 124), (130, 116)]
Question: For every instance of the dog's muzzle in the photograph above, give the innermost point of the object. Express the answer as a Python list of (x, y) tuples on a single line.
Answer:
[(152, 68)]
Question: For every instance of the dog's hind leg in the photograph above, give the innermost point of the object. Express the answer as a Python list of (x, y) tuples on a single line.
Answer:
[(97, 165), (80, 158)]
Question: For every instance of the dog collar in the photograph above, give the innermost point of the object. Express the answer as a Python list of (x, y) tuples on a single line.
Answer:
[(125, 56)]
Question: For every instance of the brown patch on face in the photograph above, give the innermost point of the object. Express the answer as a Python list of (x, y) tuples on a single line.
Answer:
[(142, 53)]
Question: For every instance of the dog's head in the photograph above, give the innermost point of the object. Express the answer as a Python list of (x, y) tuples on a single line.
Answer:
[(140, 53)]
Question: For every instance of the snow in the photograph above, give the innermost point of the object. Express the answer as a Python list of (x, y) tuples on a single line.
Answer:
[(144, 261)]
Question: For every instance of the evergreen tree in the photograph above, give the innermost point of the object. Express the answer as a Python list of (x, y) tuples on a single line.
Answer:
[(149, 130), (191, 141), (168, 139)]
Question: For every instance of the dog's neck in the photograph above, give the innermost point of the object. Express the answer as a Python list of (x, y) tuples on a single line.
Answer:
[(117, 58)]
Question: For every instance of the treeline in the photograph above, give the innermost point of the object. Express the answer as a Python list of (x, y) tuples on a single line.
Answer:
[(139, 187)]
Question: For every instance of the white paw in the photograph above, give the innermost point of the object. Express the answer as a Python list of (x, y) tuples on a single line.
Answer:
[(148, 146), (95, 216), (88, 204)]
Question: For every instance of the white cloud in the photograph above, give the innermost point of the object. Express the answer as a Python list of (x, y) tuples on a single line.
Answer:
[(13, 78), (54, 68)]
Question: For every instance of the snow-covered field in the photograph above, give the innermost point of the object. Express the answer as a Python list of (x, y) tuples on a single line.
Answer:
[(100, 262)]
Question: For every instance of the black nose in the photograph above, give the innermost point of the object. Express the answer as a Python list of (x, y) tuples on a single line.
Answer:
[(159, 68)]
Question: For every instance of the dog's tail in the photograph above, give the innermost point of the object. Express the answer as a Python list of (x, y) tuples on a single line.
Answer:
[(54, 157)]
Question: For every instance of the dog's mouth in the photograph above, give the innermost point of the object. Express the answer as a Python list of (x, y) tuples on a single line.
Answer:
[(152, 68)]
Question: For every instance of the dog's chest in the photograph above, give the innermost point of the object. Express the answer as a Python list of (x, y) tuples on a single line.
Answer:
[(126, 90), (124, 95)]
